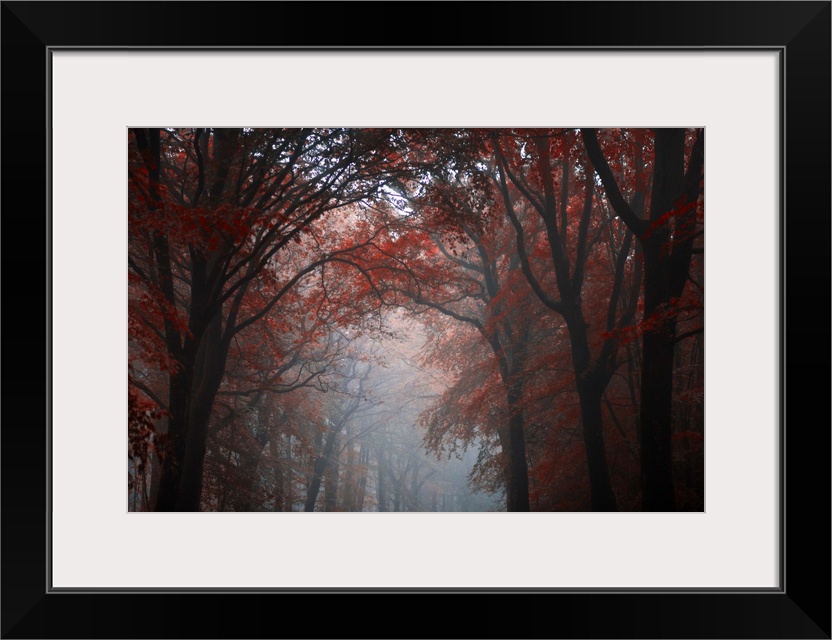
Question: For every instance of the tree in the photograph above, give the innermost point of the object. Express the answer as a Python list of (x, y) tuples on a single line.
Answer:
[(667, 239), (572, 227), (211, 212), (327, 450), (458, 267)]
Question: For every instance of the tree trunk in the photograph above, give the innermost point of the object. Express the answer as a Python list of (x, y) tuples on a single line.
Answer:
[(148, 142), (590, 384), (518, 489), (331, 478), (320, 467), (279, 483), (281, 449), (657, 409), (155, 472), (382, 479), (662, 265), (590, 394), (208, 373), (350, 475), (175, 451), (363, 461)]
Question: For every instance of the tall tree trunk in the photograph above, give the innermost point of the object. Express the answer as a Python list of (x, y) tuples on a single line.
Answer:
[(209, 370), (657, 416), (518, 489), (658, 344), (148, 142), (171, 472), (590, 394), (590, 384)]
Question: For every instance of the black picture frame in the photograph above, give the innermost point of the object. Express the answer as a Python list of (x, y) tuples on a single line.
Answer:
[(800, 608)]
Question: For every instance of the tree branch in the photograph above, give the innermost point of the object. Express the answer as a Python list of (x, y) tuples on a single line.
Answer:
[(636, 224), (554, 305)]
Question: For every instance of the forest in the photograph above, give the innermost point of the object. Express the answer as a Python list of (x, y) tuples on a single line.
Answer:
[(416, 319)]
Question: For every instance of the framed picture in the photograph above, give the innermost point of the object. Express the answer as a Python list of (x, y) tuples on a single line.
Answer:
[(755, 77)]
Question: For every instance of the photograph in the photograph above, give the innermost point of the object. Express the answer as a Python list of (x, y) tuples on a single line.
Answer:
[(416, 319), (443, 266)]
